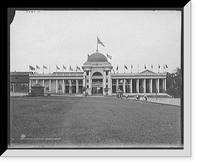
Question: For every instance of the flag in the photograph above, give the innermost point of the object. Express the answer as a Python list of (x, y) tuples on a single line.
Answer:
[(158, 66), (57, 67), (117, 68), (113, 71), (31, 67), (44, 67), (88, 55), (151, 66), (125, 67), (163, 66), (145, 67), (78, 68), (37, 67), (70, 68), (166, 66), (64, 67), (99, 41), (131, 66), (108, 56)]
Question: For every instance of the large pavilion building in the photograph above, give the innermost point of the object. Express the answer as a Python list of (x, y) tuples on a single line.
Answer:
[(97, 78)]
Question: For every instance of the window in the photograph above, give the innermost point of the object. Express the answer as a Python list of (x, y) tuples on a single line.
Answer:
[(106, 72), (87, 73), (106, 80), (97, 74)]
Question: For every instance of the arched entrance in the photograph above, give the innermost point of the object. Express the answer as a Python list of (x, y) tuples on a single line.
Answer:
[(97, 84)]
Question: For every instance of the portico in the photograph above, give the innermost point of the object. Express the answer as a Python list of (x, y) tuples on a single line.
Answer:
[(145, 82)]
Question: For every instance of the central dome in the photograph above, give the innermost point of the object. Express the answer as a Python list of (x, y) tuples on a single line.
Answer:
[(97, 57)]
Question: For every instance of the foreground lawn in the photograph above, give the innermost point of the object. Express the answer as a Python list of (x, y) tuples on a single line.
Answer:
[(92, 122)]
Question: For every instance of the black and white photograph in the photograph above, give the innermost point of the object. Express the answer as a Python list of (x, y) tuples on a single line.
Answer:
[(97, 79)]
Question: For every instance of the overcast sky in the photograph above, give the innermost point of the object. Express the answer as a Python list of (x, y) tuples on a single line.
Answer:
[(60, 38)]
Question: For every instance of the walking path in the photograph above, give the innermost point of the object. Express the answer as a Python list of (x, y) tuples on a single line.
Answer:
[(170, 101)]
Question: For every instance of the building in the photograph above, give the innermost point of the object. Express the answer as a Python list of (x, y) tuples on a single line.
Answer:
[(19, 82), (97, 78)]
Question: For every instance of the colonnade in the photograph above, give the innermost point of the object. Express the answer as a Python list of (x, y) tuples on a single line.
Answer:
[(58, 85), (143, 85)]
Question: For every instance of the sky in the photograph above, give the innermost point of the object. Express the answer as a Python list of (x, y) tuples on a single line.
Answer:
[(135, 37)]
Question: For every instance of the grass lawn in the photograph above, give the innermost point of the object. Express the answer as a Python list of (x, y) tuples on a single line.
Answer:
[(92, 122)]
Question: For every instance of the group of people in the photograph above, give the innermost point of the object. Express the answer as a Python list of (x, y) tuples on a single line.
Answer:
[(138, 97), (120, 95), (143, 97)]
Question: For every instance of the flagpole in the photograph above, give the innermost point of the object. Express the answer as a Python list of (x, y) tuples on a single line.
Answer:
[(163, 68), (138, 68), (43, 69)]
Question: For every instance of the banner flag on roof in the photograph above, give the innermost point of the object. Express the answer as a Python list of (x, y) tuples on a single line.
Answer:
[(125, 67), (109, 56), (37, 67), (44, 67), (70, 68), (31, 67), (99, 42), (64, 67), (78, 68), (57, 67)]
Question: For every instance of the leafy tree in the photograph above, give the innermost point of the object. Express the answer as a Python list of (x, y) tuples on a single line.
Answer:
[(174, 83)]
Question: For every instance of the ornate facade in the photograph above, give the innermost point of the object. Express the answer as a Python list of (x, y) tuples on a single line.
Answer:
[(97, 78)]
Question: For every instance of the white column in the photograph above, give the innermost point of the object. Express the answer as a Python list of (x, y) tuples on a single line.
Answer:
[(158, 87), (42, 82), (144, 85), (76, 86), (70, 85), (137, 85), (36, 81), (90, 82), (165, 85), (131, 82), (63, 86), (124, 86), (109, 79), (50, 85), (56, 86), (84, 80), (117, 84), (104, 80)]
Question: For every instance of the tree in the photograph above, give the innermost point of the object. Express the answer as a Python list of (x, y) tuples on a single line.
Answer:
[(174, 83)]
